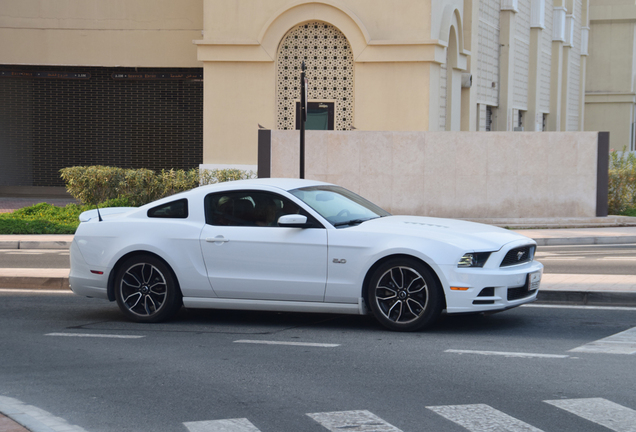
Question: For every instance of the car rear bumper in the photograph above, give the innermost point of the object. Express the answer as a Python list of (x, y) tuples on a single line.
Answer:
[(82, 280)]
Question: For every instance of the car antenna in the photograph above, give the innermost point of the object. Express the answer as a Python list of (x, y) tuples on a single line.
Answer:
[(99, 216)]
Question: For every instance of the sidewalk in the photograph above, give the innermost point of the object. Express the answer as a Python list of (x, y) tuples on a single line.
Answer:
[(614, 290)]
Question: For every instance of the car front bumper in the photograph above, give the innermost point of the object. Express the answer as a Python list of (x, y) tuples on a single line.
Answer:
[(482, 290)]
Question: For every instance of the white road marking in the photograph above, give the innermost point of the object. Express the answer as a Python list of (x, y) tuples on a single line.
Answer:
[(508, 354), (307, 344), (35, 251), (609, 308), (482, 418), (620, 343), (95, 335), (33, 418), (555, 258), (227, 425), (358, 421), (38, 291), (617, 259), (600, 411)]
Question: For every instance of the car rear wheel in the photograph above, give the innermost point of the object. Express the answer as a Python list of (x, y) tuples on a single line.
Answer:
[(404, 295), (146, 290)]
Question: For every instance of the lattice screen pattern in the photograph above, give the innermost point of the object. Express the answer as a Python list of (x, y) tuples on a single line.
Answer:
[(329, 62)]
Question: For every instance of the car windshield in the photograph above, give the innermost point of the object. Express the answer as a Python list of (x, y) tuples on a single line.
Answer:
[(338, 205)]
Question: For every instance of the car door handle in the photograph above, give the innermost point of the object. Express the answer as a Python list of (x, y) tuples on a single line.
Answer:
[(217, 239)]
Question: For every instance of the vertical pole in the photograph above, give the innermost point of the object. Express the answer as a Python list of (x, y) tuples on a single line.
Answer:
[(303, 118)]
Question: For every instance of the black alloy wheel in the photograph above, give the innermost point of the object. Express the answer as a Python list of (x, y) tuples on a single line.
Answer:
[(146, 290), (404, 295)]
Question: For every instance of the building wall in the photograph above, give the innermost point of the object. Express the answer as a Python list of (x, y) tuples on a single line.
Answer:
[(610, 96), (522, 57), (453, 174), (49, 123), (136, 33), (546, 58), (487, 73), (409, 62)]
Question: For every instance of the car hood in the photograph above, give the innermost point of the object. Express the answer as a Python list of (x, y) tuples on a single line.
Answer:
[(463, 234)]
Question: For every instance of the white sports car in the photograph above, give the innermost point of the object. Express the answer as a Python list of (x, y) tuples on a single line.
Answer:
[(297, 245)]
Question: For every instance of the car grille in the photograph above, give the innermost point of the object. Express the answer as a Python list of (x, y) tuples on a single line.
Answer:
[(522, 292), (518, 255)]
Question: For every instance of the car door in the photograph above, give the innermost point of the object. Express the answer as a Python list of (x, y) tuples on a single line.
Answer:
[(248, 256)]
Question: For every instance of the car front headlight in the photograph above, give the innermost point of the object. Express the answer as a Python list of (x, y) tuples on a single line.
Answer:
[(473, 259)]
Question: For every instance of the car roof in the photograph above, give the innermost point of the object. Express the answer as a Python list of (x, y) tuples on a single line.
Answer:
[(286, 184)]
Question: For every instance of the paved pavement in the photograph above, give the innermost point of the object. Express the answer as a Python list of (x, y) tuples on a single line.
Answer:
[(582, 289)]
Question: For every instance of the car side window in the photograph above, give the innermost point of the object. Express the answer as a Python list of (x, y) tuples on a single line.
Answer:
[(247, 208), (175, 210)]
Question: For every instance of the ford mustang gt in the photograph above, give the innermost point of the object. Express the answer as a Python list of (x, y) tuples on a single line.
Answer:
[(301, 246)]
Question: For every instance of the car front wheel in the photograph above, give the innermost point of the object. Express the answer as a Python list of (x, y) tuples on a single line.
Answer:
[(146, 290), (404, 295)]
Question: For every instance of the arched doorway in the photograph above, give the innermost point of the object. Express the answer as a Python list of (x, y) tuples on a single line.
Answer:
[(329, 61)]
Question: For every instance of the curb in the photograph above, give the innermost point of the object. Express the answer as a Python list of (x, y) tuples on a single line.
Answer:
[(587, 298), (580, 241), (34, 282), (547, 297), (30, 244), (546, 241)]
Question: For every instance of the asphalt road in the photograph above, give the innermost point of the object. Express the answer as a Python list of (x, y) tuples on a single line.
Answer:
[(593, 259), (597, 259), (77, 359), (34, 258)]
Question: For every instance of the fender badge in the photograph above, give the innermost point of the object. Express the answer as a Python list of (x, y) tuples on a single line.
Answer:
[(339, 261)]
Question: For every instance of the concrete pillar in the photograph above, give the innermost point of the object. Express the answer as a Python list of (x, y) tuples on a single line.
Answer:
[(509, 9), (454, 99), (556, 70), (534, 117), (470, 107)]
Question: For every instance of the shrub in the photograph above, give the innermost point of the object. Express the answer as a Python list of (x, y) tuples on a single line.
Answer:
[(42, 218), (622, 183), (96, 184)]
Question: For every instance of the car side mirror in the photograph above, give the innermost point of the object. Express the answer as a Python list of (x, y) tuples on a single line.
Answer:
[(293, 221)]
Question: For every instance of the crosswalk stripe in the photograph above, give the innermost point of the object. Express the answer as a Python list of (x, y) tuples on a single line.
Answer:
[(600, 411), (95, 335), (357, 421), (304, 344), (620, 343), (227, 425), (507, 354), (482, 418)]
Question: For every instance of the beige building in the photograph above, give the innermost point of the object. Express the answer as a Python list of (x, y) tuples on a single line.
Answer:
[(410, 65), (401, 65), (610, 98)]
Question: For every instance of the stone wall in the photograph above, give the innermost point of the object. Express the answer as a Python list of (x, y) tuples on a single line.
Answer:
[(452, 174)]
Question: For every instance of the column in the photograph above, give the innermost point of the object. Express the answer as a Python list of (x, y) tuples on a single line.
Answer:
[(556, 70), (509, 9), (534, 121)]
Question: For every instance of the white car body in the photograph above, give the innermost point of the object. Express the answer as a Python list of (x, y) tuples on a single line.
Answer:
[(322, 269)]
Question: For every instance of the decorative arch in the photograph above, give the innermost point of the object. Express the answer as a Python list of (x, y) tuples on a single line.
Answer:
[(300, 12), (452, 23), (329, 60)]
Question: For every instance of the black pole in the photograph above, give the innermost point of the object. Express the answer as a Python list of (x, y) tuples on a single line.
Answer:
[(303, 118)]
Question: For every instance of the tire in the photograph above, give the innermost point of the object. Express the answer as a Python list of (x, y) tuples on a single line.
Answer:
[(404, 295), (146, 290)]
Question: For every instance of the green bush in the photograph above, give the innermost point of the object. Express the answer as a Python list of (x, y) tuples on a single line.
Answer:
[(622, 183), (96, 184), (42, 218), (110, 187)]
